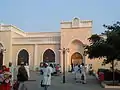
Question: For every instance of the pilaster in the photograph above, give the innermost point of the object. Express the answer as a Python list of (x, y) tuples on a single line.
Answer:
[(35, 56)]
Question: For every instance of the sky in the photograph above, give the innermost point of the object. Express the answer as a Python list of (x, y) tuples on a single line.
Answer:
[(46, 15)]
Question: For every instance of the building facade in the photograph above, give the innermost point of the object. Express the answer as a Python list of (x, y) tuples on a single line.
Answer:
[(36, 47)]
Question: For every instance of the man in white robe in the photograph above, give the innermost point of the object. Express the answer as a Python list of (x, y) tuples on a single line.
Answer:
[(47, 76)]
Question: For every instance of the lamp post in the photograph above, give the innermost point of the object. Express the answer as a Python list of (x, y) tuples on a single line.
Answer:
[(85, 52), (63, 52)]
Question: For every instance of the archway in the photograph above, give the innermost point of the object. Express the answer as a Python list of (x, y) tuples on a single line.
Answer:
[(76, 58), (1, 54), (49, 56), (23, 56)]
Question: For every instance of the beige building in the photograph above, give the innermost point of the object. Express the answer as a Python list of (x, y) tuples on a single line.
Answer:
[(35, 47)]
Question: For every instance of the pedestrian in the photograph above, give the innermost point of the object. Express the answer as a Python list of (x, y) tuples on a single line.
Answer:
[(76, 71), (83, 74), (46, 76), (12, 73), (27, 69), (22, 77)]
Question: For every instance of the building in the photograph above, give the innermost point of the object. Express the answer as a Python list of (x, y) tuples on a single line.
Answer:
[(35, 47)]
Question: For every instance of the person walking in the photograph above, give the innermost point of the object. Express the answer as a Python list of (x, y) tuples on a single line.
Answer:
[(22, 77), (11, 67), (47, 76), (27, 69), (76, 72), (83, 74)]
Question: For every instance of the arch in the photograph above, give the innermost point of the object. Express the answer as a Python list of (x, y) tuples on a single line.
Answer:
[(49, 56), (23, 56), (75, 22), (76, 58), (75, 40), (1, 54)]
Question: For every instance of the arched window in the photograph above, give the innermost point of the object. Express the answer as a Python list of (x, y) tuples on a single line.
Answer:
[(23, 56), (75, 22), (49, 56), (1, 54)]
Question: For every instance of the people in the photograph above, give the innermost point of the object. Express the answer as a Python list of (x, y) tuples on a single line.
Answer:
[(5, 77), (52, 67), (47, 76), (83, 74), (90, 70), (22, 76), (27, 69), (76, 71), (12, 73)]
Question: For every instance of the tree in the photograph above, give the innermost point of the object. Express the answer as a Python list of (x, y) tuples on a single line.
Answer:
[(106, 45)]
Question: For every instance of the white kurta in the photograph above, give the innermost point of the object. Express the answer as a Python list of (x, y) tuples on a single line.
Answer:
[(84, 73), (12, 73), (47, 76), (28, 71), (77, 72)]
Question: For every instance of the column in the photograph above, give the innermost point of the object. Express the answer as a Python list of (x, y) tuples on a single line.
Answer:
[(35, 56), (67, 61), (84, 58)]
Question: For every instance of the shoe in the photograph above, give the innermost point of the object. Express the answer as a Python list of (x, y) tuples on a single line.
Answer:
[(83, 83)]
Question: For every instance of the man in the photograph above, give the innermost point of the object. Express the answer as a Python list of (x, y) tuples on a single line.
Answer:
[(47, 76), (12, 73), (22, 76), (83, 72), (76, 68), (27, 69)]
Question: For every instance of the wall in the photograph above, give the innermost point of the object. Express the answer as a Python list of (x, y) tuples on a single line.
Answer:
[(16, 49), (71, 34), (42, 48), (6, 40)]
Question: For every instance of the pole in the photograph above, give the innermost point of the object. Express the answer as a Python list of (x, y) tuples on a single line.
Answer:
[(113, 72), (63, 65)]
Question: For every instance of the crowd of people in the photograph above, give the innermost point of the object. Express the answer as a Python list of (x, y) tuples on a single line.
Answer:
[(14, 78)]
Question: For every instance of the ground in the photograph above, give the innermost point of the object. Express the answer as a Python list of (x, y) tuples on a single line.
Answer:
[(92, 83)]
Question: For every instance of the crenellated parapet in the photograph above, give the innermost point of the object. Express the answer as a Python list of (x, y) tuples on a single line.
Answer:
[(76, 23)]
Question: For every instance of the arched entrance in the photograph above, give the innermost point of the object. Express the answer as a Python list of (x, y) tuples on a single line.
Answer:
[(1, 54), (23, 56), (49, 56), (76, 58)]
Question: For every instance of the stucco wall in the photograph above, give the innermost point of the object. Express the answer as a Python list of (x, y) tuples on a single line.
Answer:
[(42, 48), (14, 34), (68, 35), (34, 58), (6, 41), (16, 49)]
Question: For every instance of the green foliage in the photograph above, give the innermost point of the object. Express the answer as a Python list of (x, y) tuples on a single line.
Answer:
[(94, 38), (108, 47)]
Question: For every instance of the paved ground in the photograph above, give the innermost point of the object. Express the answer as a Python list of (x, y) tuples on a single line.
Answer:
[(92, 83)]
